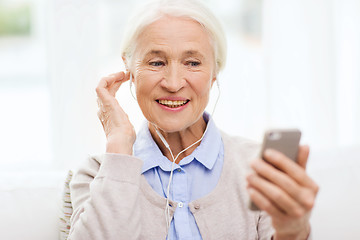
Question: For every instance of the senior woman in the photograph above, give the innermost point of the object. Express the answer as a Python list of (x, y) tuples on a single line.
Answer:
[(180, 177)]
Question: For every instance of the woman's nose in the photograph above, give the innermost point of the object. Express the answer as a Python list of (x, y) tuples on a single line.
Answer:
[(173, 80)]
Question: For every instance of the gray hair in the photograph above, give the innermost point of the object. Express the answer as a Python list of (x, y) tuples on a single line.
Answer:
[(193, 9)]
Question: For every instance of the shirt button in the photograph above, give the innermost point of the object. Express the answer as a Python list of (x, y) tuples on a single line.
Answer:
[(180, 204), (197, 206)]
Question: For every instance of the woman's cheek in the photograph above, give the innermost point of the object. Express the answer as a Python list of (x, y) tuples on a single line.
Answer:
[(146, 83), (202, 84)]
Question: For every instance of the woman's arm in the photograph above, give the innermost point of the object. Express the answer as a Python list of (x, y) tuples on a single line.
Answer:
[(105, 197), (104, 192)]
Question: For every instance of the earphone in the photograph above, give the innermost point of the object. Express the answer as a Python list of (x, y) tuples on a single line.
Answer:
[(167, 208), (132, 94)]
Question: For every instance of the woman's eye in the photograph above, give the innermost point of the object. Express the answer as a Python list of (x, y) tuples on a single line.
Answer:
[(193, 63), (156, 64)]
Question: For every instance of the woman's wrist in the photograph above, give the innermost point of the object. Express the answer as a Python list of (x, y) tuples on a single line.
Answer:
[(116, 148), (303, 235), (119, 145)]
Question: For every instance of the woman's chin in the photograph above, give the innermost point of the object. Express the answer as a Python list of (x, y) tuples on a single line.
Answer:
[(170, 127), (173, 125)]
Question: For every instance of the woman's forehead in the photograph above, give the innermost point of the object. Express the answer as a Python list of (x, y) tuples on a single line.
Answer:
[(176, 35)]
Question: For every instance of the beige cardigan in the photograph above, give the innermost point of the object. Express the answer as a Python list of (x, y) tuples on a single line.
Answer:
[(112, 200)]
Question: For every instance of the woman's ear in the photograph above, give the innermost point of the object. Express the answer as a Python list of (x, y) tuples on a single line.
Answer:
[(131, 77), (128, 76), (128, 73), (213, 80), (125, 63)]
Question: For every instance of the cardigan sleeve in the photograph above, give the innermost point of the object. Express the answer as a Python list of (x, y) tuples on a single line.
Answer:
[(264, 227), (104, 196), (308, 238)]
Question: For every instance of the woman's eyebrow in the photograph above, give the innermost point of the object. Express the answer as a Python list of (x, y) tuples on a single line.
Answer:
[(160, 53), (193, 53), (154, 53)]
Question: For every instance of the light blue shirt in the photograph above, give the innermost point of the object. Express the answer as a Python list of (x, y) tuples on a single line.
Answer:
[(194, 177)]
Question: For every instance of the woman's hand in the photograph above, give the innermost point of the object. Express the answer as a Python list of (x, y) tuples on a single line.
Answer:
[(282, 188), (120, 133)]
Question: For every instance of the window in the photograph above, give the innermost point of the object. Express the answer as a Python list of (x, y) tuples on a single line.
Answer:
[(25, 137)]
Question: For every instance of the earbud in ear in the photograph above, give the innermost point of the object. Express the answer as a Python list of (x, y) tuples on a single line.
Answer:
[(132, 94)]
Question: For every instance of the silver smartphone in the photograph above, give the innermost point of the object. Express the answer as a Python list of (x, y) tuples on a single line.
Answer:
[(283, 140)]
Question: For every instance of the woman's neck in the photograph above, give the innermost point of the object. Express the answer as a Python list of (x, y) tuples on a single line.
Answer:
[(180, 140)]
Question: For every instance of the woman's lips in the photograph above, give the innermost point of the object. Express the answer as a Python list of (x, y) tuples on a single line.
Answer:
[(173, 105)]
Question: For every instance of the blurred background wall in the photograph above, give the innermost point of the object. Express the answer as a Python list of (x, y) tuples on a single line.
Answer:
[(291, 63)]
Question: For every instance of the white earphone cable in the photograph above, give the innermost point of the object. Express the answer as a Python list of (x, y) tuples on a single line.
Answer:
[(167, 208), (132, 94)]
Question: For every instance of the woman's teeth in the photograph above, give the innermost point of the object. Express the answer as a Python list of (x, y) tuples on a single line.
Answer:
[(172, 104)]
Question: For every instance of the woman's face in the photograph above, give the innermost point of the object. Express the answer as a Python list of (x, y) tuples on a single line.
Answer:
[(174, 71)]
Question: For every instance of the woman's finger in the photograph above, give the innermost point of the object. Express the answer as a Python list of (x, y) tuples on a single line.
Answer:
[(275, 176), (116, 85), (106, 85), (264, 203), (291, 168), (303, 155), (279, 198), (290, 186)]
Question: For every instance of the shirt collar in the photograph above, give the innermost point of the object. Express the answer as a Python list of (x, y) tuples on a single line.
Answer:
[(206, 153)]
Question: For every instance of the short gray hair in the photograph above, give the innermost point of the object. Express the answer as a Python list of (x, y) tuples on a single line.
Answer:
[(193, 9)]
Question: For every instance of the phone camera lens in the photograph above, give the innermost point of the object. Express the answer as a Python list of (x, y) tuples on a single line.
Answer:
[(274, 136)]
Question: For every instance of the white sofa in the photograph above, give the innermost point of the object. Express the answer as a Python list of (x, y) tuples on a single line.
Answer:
[(30, 205), (30, 202)]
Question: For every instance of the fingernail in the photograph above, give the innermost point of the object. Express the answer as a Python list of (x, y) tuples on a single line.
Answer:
[(250, 176), (252, 164)]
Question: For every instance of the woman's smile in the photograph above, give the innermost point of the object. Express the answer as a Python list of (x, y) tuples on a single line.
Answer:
[(173, 103)]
